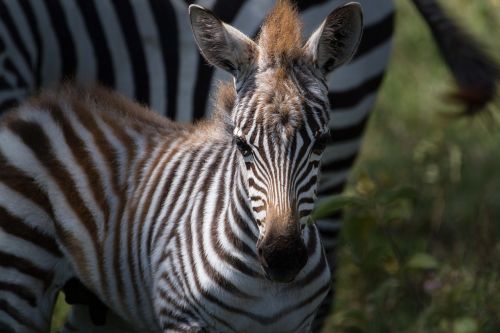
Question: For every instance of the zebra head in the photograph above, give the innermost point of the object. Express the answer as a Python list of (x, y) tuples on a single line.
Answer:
[(280, 116)]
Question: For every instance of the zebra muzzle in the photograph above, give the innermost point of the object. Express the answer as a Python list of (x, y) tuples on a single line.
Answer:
[(282, 257)]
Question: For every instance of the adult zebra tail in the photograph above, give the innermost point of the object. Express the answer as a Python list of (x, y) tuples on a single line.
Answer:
[(476, 73)]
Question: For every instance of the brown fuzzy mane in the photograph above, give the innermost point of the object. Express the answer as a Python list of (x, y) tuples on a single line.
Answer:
[(281, 34)]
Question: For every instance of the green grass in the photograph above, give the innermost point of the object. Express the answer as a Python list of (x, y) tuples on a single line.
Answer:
[(420, 248)]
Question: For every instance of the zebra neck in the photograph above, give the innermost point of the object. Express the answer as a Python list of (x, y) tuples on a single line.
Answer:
[(206, 200)]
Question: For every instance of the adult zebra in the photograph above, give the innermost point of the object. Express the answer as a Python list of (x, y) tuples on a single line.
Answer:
[(179, 228), (144, 49)]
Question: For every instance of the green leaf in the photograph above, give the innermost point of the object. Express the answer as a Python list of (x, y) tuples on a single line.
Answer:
[(422, 261), (335, 203)]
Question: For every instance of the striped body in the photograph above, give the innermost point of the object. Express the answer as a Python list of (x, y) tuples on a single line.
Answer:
[(145, 50), (112, 179)]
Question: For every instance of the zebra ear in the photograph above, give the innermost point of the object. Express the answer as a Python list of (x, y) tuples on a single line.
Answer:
[(221, 44), (337, 38)]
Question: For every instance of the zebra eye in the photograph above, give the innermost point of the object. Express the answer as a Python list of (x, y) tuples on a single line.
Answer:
[(320, 143), (243, 147)]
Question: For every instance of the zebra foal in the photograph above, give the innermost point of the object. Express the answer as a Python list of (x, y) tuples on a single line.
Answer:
[(178, 228)]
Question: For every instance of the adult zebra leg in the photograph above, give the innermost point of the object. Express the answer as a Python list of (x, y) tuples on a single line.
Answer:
[(476, 73)]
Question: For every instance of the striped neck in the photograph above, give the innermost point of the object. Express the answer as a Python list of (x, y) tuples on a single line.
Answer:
[(217, 206)]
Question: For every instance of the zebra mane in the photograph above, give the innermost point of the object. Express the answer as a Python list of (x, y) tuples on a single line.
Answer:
[(281, 35)]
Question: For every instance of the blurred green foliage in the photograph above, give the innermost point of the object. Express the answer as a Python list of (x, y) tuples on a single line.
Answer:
[(420, 245)]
